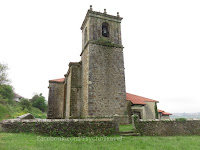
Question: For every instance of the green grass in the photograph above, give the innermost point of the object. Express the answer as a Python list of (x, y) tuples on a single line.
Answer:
[(14, 141), (127, 127)]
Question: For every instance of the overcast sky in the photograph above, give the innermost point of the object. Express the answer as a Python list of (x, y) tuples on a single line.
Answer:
[(39, 38)]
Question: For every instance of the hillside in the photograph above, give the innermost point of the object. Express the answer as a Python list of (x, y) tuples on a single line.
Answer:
[(10, 111)]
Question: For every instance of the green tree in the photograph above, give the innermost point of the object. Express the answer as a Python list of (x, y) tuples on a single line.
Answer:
[(6, 93), (3, 74), (25, 104), (156, 110), (34, 98), (40, 103)]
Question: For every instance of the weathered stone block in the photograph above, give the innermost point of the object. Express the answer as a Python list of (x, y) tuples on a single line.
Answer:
[(26, 116)]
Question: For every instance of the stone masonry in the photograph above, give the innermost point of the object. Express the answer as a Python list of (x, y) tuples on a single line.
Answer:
[(95, 86)]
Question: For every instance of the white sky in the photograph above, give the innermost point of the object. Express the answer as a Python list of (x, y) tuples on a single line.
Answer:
[(161, 38)]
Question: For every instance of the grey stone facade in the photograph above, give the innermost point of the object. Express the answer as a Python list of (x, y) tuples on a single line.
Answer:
[(56, 99), (106, 88), (73, 83), (95, 86)]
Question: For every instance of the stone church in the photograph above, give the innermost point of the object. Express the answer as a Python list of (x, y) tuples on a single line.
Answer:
[(95, 86)]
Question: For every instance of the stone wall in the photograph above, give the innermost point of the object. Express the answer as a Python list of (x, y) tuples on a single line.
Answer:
[(165, 117), (62, 127), (55, 100), (168, 127), (124, 119), (106, 96), (149, 110), (73, 91), (68, 93), (85, 82)]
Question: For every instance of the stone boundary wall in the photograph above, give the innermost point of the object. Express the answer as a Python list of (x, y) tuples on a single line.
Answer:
[(62, 127), (122, 119), (167, 127)]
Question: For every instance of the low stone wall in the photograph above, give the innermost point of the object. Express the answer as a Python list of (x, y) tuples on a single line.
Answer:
[(62, 127), (121, 119), (167, 127)]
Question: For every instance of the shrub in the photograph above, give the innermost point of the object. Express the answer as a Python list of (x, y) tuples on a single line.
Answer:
[(25, 104), (40, 103), (6, 93), (180, 119)]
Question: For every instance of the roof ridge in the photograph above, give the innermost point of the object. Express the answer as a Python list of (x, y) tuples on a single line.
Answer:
[(151, 100)]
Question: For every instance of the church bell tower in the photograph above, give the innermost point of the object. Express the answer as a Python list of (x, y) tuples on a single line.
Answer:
[(103, 78)]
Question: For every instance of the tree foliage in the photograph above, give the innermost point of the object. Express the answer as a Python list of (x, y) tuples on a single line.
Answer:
[(38, 101), (6, 94), (35, 97), (25, 104), (3, 74), (6, 91)]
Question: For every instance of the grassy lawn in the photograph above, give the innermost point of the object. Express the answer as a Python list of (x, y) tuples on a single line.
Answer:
[(127, 127), (18, 141)]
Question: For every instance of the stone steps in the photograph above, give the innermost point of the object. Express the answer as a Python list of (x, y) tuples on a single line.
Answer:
[(129, 133)]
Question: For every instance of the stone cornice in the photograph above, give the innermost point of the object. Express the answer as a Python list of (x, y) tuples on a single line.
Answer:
[(96, 14), (97, 43)]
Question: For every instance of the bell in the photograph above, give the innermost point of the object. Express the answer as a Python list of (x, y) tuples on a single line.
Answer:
[(104, 30)]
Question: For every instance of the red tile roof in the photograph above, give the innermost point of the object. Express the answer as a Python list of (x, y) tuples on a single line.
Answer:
[(163, 112), (160, 110), (57, 80), (138, 99), (134, 99)]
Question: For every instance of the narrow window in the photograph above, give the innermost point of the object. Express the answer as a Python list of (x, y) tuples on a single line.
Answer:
[(85, 35), (105, 29)]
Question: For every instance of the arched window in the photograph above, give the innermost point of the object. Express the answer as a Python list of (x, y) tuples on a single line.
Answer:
[(105, 29)]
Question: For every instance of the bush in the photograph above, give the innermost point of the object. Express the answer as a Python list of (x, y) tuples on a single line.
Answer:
[(6, 93), (25, 104), (40, 103), (180, 119)]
